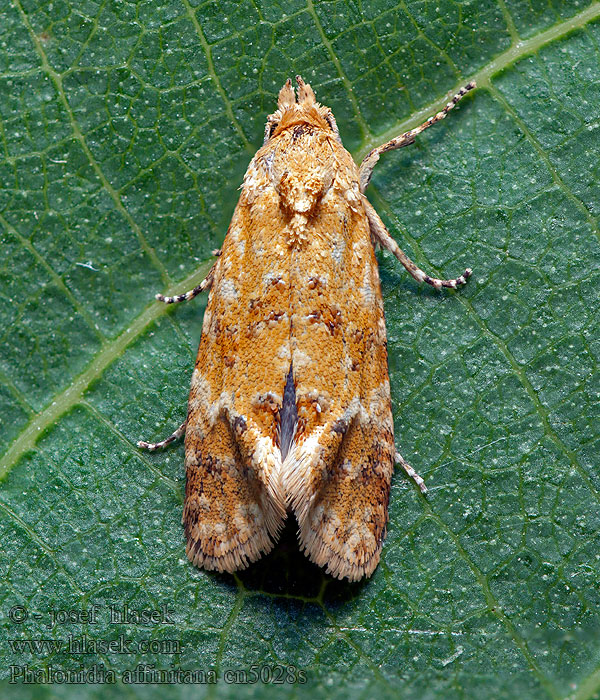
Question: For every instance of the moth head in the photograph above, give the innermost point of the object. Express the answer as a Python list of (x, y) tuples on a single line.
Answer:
[(305, 109)]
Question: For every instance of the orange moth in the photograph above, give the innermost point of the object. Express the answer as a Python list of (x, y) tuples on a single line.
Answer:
[(289, 408)]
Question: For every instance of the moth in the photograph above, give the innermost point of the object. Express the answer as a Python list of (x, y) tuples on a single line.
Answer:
[(289, 408)]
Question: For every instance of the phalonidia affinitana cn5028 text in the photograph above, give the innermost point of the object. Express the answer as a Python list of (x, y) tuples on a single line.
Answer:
[(289, 408)]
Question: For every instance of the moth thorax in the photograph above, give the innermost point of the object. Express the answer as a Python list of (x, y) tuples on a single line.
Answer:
[(300, 192)]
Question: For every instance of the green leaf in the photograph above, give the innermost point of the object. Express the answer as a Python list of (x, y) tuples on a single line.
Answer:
[(125, 129)]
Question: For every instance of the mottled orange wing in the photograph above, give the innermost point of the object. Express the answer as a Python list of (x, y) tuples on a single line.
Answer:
[(235, 504), (337, 477)]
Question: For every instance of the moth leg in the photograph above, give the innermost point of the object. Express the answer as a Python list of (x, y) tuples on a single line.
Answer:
[(381, 235), (411, 472), (151, 446), (205, 284), (370, 160)]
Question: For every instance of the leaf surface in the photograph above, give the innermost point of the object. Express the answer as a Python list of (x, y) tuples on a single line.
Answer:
[(124, 133)]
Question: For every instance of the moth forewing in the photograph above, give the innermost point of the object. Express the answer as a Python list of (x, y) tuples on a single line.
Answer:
[(234, 504)]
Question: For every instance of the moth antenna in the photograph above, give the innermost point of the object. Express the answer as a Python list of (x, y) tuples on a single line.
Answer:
[(305, 92), (287, 98)]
